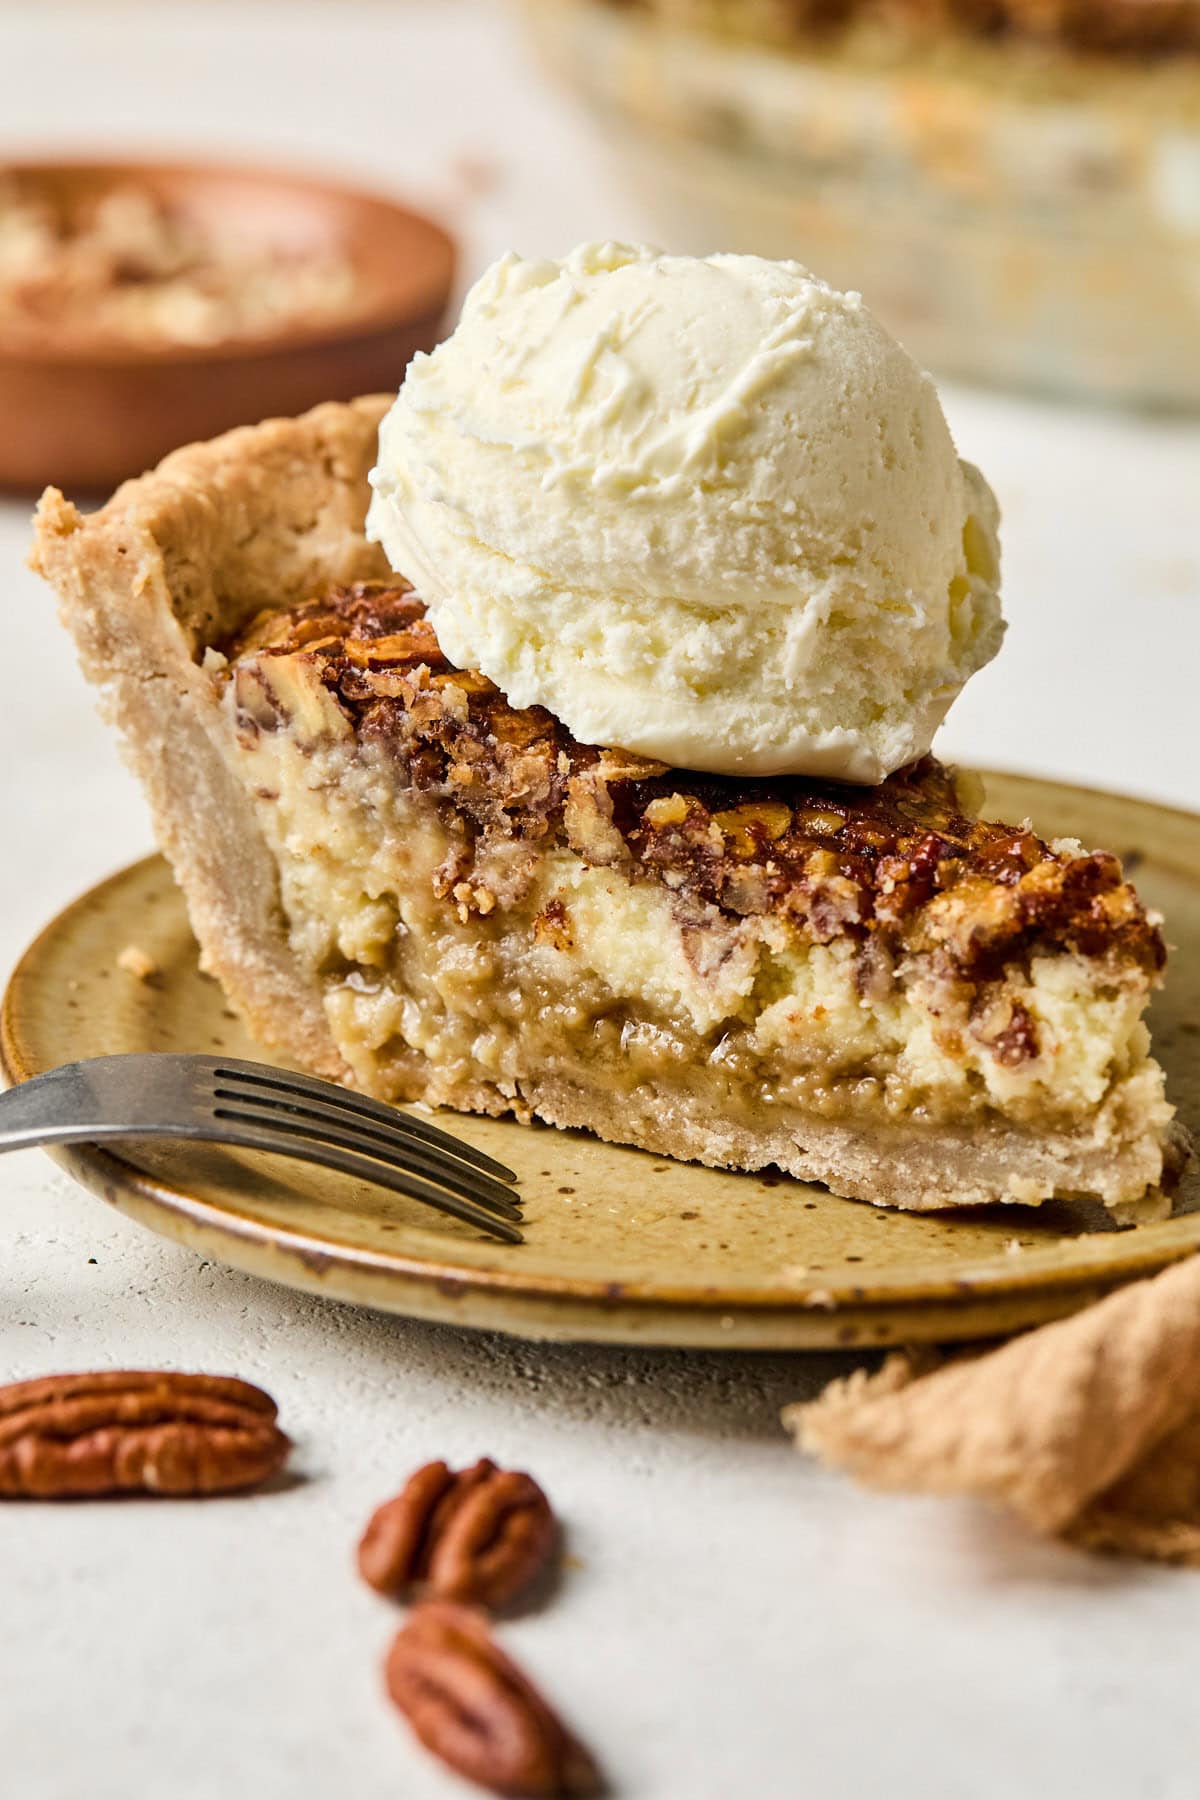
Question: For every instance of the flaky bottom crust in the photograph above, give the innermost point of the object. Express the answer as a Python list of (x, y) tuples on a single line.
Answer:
[(893, 1165)]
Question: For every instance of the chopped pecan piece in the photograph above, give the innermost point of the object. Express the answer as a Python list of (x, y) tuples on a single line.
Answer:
[(1010, 1031), (552, 926), (471, 1706), (480, 1535), (76, 1436), (749, 829), (668, 809)]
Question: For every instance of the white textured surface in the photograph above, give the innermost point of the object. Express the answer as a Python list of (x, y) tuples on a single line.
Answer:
[(741, 1624)]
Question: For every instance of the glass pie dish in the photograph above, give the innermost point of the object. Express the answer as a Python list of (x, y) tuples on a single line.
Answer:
[(1017, 212)]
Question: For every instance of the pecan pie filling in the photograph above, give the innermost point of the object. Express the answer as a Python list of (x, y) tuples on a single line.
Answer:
[(766, 943), (899, 862)]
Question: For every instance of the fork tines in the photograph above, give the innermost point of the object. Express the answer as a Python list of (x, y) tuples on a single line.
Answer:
[(302, 1107)]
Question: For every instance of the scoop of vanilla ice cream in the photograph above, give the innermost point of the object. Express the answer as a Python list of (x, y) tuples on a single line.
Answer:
[(706, 510)]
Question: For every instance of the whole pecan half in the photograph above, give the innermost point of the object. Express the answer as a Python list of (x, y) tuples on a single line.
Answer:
[(125, 1430), (479, 1535), (470, 1704)]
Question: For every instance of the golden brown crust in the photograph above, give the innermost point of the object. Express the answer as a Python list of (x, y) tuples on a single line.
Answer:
[(901, 867)]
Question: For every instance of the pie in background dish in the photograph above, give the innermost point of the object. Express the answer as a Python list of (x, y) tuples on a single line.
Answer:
[(1015, 183), (407, 884), (1137, 28)]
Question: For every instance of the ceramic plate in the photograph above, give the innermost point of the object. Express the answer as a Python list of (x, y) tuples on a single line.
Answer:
[(620, 1245)]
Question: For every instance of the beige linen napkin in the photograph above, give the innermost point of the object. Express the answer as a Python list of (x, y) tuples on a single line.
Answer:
[(1089, 1429)]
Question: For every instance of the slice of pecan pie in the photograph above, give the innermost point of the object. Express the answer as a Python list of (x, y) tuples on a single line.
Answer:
[(407, 883)]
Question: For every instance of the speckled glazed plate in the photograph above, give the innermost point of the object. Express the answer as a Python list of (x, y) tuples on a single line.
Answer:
[(620, 1245)]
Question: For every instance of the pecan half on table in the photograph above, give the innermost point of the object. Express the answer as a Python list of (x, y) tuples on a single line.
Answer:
[(135, 1430), (471, 1706), (479, 1535)]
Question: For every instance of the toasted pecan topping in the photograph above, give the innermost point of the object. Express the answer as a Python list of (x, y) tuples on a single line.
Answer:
[(902, 862)]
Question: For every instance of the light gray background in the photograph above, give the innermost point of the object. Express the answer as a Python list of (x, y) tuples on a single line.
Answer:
[(734, 1622)]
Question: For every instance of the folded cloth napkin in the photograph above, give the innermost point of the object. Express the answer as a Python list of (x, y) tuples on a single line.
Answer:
[(1089, 1428)]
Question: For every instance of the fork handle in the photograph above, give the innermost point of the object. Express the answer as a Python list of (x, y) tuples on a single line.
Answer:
[(20, 1135), (62, 1107), (32, 1112)]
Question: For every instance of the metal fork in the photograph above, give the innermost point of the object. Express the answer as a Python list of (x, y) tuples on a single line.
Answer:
[(255, 1107)]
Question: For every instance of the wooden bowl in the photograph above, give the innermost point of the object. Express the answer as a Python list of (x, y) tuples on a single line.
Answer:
[(85, 412)]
